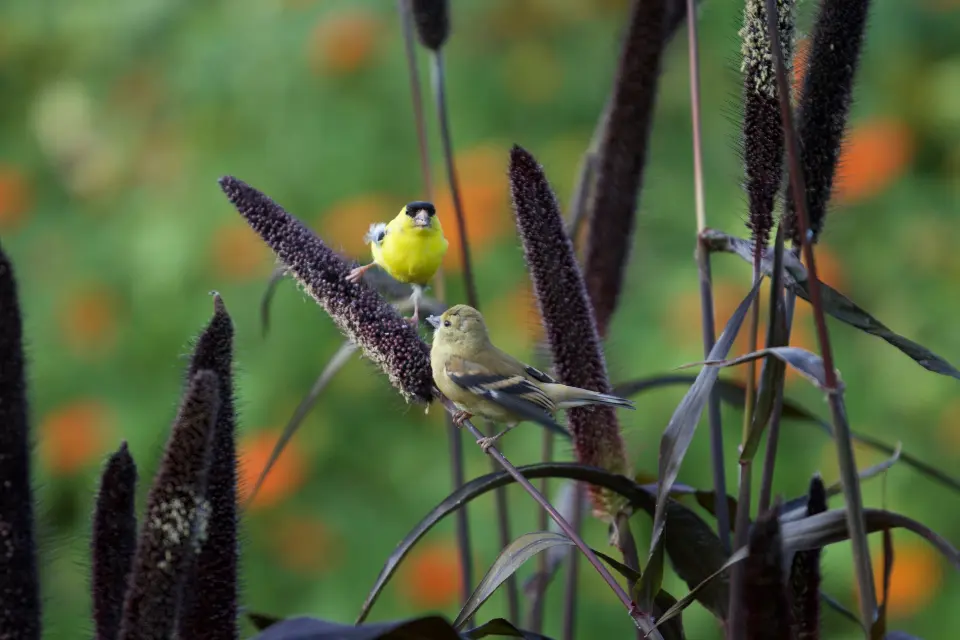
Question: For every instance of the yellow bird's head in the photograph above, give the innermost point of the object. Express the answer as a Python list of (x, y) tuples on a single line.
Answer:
[(422, 215), (461, 326)]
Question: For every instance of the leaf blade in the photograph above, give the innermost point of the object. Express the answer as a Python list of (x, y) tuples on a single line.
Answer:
[(510, 559)]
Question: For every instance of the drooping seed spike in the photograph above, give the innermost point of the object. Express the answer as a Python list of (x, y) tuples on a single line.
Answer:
[(764, 590), (176, 517), (825, 103), (113, 541), (763, 139), (360, 314), (805, 574), (622, 155), (211, 599), (568, 317), (432, 19), (19, 580)]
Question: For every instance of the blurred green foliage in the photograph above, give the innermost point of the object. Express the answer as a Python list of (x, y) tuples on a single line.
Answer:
[(117, 119)]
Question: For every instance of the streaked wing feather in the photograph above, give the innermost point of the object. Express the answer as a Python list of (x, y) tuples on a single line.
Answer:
[(538, 375), (515, 393)]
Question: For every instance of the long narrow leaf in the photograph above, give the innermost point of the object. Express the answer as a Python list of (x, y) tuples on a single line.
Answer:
[(830, 527), (679, 432), (806, 363), (834, 302), (734, 394), (500, 627), (506, 564), (738, 556), (772, 376), (340, 358), (303, 628), (693, 548)]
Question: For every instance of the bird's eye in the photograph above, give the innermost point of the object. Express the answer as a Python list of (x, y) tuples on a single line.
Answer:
[(446, 323)]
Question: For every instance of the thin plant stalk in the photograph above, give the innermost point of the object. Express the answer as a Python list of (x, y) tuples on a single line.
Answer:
[(502, 505), (535, 616), (578, 207), (773, 436), (736, 621), (706, 288), (573, 569), (454, 436), (847, 462), (641, 620)]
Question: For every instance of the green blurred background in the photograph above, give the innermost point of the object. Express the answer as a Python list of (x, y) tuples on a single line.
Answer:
[(117, 119)]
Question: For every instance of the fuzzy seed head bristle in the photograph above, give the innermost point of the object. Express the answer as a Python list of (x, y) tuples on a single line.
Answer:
[(757, 64), (568, 318), (358, 311)]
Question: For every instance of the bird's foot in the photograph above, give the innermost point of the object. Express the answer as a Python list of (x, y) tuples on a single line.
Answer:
[(487, 442), (460, 417), (355, 274)]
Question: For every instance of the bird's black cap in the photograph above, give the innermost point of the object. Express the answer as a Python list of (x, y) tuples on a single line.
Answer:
[(417, 205)]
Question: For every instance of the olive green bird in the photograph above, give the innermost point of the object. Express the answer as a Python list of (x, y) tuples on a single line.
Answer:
[(481, 380)]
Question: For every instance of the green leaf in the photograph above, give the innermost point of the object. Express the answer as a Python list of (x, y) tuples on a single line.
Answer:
[(678, 435), (261, 621), (506, 564), (652, 578), (693, 547), (772, 375), (808, 364), (738, 556), (830, 527), (734, 394), (340, 358), (834, 302), (303, 628), (501, 627)]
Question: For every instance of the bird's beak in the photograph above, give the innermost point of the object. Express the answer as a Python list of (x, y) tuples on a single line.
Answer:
[(434, 321), (422, 219)]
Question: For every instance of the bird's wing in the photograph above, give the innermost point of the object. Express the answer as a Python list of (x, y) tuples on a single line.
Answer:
[(512, 391), (377, 232)]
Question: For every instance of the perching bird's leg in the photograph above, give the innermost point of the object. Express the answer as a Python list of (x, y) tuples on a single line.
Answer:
[(356, 274), (460, 416), (487, 442), (417, 294)]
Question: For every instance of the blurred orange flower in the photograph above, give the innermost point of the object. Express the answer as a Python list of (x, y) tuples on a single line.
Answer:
[(16, 197), (305, 545), (75, 435), (915, 579), (344, 41), (482, 172), (949, 426), (88, 321), (801, 53), (874, 155), (829, 266), (525, 315), (343, 225), (430, 578), (238, 253), (287, 475)]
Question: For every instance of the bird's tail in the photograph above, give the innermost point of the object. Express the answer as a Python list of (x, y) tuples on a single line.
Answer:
[(568, 397)]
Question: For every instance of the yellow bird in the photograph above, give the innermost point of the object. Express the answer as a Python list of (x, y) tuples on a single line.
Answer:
[(410, 248), (482, 380)]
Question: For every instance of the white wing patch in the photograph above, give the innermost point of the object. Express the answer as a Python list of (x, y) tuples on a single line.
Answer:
[(378, 230)]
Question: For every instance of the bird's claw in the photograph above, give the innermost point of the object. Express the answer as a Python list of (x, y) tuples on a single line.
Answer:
[(357, 273), (486, 443), (460, 416)]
